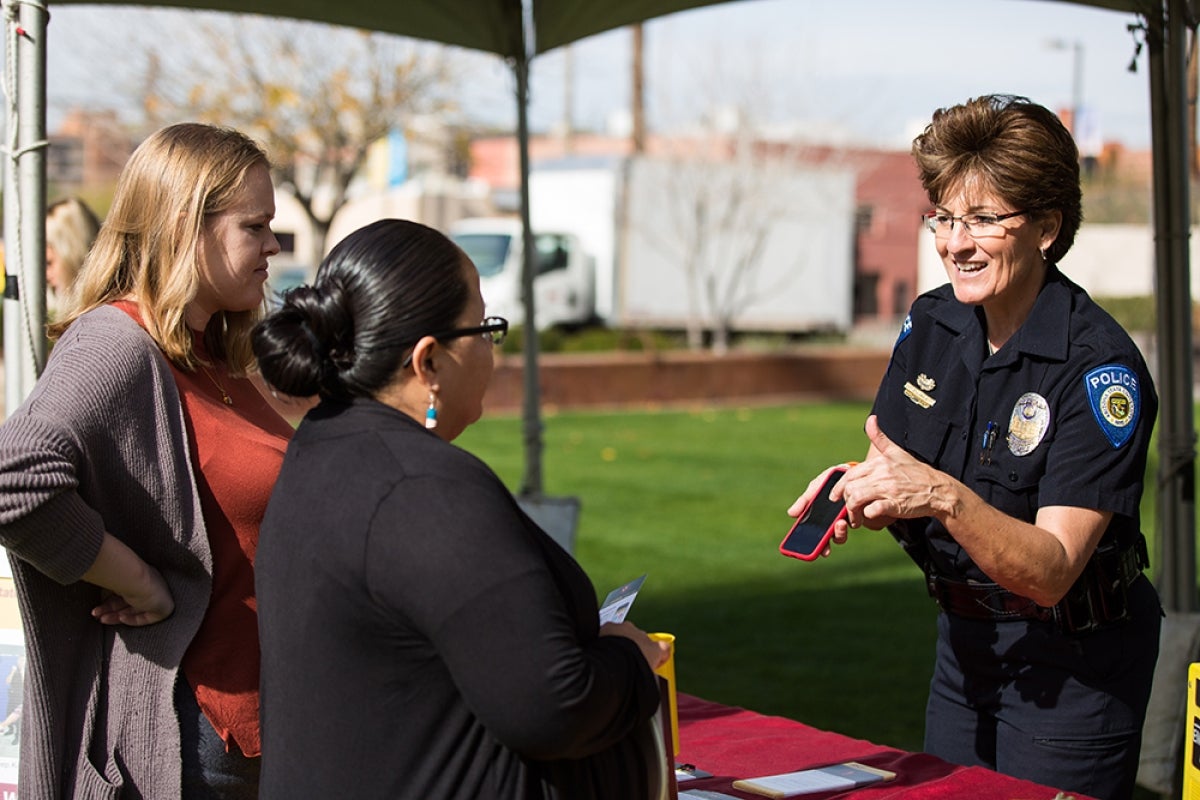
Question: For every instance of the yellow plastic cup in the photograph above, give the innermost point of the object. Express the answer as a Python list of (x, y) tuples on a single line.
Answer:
[(667, 670)]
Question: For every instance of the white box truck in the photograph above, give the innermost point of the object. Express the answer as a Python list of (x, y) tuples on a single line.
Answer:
[(652, 243), (769, 247), (564, 286)]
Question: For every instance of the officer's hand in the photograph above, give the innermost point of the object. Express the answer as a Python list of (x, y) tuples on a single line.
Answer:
[(890, 484)]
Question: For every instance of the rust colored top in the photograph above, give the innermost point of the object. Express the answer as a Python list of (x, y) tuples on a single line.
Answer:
[(236, 442)]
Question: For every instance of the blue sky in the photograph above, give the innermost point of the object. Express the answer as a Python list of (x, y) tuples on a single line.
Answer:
[(875, 68), (865, 70)]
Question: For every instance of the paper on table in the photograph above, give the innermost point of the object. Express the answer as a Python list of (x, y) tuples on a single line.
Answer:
[(808, 781)]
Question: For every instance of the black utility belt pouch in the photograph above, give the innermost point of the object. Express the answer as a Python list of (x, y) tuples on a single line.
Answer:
[(1101, 595), (1099, 598)]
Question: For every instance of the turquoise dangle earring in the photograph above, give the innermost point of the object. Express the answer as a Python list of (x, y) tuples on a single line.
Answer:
[(431, 413)]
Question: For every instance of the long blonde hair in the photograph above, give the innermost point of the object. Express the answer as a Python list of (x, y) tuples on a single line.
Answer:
[(148, 246), (71, 228)]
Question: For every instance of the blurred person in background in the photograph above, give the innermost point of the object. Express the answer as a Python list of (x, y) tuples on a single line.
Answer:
[(71, 227), (422, 636), (1008, 446), (132, 483)]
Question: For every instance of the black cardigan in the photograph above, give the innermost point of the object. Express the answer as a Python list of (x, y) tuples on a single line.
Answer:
[(423, 638)]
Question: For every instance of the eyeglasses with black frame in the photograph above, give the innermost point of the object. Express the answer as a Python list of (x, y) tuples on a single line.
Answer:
[(941, 224), (493, 329)]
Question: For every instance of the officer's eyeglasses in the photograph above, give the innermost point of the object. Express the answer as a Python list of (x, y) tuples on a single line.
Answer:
[(493, 329), (941, 224)]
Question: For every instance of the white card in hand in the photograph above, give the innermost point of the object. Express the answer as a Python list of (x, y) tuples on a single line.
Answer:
[(617, 604)]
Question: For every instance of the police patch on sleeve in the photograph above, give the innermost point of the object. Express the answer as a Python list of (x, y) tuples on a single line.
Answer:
[(1115, 398), (905, 330)]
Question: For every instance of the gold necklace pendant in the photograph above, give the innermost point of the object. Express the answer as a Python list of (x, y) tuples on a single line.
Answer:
[(225, 398)]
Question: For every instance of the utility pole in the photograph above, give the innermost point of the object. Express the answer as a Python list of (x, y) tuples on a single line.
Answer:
[(568, 118), (638, 94), (1076, 79), (1193, 94)]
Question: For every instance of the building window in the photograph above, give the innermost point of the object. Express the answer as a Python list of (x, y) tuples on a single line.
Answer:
[(902, 299), (64, 162), (864, 218), (866, 294)]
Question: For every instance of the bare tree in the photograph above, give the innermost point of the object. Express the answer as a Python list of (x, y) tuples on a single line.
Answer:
[(316, 96), (731, 199), (746, 223), (722, 201)]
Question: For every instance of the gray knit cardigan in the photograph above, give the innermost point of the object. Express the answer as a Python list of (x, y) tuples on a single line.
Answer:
[(100, 445)]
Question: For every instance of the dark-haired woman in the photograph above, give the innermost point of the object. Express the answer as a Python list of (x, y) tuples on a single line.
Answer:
[(421, 636), (1008, 445)]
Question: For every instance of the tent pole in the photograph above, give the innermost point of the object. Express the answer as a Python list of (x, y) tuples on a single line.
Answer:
[(12, 267), (25, 202), (1161, 759), (1167, 40), (531, 484)]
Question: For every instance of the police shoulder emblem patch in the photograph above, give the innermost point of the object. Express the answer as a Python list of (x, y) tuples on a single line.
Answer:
[(905, 330), (1115, 398)]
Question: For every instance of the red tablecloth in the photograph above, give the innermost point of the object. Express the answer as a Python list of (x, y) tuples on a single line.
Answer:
[(734, 743)]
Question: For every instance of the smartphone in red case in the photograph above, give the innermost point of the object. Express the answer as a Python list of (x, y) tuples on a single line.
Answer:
[(809, 537)]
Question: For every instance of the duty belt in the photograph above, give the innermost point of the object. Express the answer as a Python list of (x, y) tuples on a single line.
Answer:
[(989, 601), (1098, 598)]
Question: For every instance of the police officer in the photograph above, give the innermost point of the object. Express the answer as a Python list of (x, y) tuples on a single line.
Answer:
[(1008, 445)]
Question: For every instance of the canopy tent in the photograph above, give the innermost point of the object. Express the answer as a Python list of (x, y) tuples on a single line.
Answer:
[(494, 26), (518, 30)]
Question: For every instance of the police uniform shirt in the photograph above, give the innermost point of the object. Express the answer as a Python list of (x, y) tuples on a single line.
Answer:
[(1061, 415)]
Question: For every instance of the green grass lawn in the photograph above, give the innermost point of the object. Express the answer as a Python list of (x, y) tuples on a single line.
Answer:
[(697, 499)]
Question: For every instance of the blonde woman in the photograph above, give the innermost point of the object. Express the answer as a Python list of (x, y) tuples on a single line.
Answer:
[(132, 482), (71, 227)]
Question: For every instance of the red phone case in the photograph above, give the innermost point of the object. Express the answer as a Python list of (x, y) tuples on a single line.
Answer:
[(814, 552)]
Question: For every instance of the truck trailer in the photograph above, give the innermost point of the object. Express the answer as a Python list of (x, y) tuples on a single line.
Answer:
[(659, 243)]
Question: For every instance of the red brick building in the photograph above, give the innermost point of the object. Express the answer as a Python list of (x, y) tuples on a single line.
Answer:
[(88, 151)]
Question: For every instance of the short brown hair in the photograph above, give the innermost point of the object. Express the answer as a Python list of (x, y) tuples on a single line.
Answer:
[(1021, 149)]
